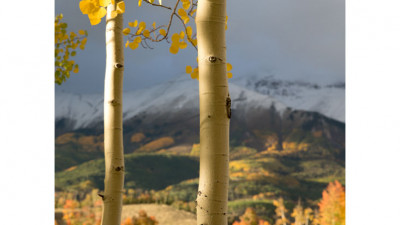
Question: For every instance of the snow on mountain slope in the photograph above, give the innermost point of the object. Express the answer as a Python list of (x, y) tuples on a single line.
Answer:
[(177, 94), (328, 100)]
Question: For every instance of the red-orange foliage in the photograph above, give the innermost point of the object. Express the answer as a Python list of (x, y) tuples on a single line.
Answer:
[(332, 206), (142, 219)]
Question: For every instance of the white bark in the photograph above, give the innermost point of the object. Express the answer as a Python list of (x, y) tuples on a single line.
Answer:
[(113, 145), (212, 199)]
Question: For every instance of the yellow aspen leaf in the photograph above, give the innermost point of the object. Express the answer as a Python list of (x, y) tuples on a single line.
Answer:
[(73, 53), (114, 14), (133, 24), (98, 13), (175, 38), (186, 5), (126, 31), (228, 67), (113, 2), (121, 7), (82, 32), (76, 69), (189, 31), (154, 25), (72, 35), (182, 35), (138, 39), (126, 44), (186, 19), (194, 41), (83, 42), (193, 12), (142, 26), (146, 33), (181, 12), (174, 49), (188, 69), (86, 6), (151, 1), (182, 45), (229, 75), (226, 27), (195, 74), (94, 21), (163, 32), (140, 3), (133, 45)]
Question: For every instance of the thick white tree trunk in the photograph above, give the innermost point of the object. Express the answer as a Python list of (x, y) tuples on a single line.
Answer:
[(212, 199), (113, 144)]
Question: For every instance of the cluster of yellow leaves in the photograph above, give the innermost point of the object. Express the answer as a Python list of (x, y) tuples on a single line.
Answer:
[(280, 211), (250, 218), (65, 46), (96, 9), (178, 42), (301, 216), (141, 33)]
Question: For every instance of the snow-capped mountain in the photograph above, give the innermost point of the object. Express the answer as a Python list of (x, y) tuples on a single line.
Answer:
[(171, 110), (328, 100), (175, 95)]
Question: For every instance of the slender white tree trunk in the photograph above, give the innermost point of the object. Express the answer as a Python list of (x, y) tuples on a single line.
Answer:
[(113, 145), (212, 199)]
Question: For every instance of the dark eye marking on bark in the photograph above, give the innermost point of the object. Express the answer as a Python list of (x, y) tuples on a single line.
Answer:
[(228, 107), (117, 65), (119, 168)]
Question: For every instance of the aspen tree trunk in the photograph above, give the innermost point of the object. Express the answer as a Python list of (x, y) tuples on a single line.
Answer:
[(113, 145), (212, 199)]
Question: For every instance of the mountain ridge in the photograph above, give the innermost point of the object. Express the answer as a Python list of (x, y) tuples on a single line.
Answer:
[(83, 110)]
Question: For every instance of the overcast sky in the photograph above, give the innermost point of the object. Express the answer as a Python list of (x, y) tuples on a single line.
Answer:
[(291, 39)]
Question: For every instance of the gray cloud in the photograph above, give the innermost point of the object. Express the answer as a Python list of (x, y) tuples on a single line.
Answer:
[(293, 39)]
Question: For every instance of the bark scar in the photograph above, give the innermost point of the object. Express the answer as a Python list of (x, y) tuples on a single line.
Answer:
[(228, 106)]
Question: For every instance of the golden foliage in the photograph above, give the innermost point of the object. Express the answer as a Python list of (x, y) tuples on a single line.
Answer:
[(137, 137), (157, 144), (87, 143), (65, 138), (195, 150), (250, 218), (65, 47), (280, 212), (71, 168)]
